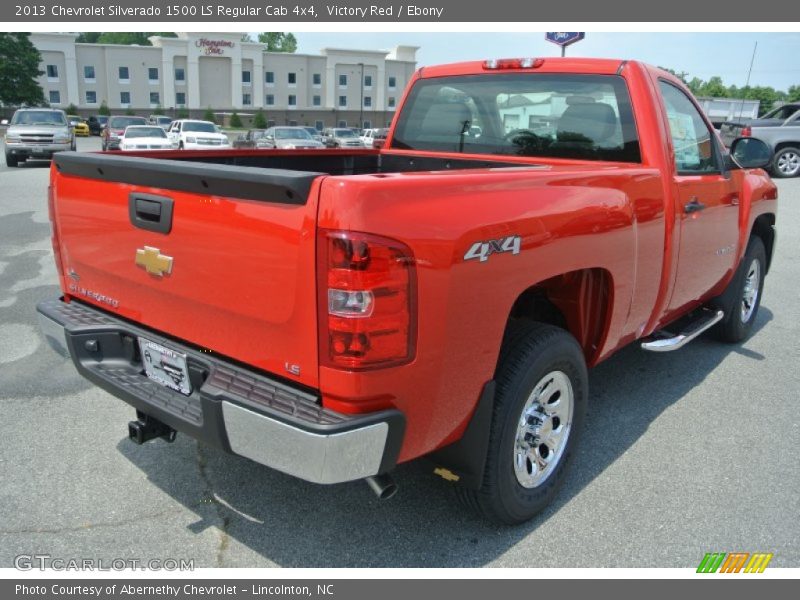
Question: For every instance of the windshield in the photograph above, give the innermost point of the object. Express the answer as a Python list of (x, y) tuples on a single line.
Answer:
[(521, 114), (311, 130), (201, 126), (141, 132), (38, 117), (74, 120), (123, 122), (344, 133), (291, 133), (163, 120)]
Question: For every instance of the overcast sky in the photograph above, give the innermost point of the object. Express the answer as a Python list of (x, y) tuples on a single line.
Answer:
[(777, 61)]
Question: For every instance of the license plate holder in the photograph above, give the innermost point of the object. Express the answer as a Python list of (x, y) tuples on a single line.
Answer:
[(165, 366)]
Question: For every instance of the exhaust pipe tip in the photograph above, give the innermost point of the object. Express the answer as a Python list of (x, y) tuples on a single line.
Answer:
[(383, 486)]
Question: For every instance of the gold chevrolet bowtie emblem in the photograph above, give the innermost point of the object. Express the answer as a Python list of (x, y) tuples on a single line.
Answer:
[(153, 261)]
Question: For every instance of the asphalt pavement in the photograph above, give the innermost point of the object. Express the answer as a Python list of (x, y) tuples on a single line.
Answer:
[(684, 453)]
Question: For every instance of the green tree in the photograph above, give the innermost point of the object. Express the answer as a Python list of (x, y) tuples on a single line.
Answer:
[(19, 68), (793, 94), (714, 88), (278, 42), (126, 38), (130, 112), (209, 115), (103, 110), (183, 113), (260, 120), (236, 120), (72, 109)]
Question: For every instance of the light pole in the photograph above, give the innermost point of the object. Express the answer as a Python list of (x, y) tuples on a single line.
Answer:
[(361, 104)]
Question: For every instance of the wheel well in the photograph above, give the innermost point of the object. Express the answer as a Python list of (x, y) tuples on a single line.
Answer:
[(782, 145), (578, 301), (764, 227)]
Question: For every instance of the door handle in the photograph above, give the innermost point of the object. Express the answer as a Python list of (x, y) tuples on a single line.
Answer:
[(694, 205), (150, 212)]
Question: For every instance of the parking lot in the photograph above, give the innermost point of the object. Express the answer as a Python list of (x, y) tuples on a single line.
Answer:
[(684, 453)]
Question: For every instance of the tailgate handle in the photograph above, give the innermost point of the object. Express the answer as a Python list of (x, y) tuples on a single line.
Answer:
[(150, 212)]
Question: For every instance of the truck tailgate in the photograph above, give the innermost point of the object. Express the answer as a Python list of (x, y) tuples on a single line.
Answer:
[(231, 271)]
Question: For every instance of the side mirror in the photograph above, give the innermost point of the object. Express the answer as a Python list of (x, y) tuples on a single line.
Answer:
[(751, 153)]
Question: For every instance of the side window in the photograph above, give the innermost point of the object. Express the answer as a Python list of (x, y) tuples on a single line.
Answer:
[(691, 138)]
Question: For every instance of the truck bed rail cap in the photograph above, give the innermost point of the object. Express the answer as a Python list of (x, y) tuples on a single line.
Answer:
[(185, 175)]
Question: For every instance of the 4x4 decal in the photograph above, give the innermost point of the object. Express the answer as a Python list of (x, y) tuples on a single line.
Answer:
[(483, 250)]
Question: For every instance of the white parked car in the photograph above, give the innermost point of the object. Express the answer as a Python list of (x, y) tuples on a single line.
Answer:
[(188, 134), (144, 137)]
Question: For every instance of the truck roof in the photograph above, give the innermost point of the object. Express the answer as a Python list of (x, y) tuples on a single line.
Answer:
[(601, 66)]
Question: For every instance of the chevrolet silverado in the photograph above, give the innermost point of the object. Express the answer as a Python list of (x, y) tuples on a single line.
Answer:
[(331, 314)]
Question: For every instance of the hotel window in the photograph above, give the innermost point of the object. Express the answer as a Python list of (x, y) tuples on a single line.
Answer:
[(342, 123), (155, 98), (316, 79), (342, 101), (246, 78), (319, 125), (269, 78), (270, 99), (152, 74), (292, 123), (55, 97), (292, 100), (367, 81), (392, 83), (88, 73), (124, 75), (316, 101), (391, 102), (180, 75), (247, 100), (367, 101), (91, 97), (270, 123), (125, 98), (367, 125), (343, 81), (180, 98), (52, 72), (292, 79)]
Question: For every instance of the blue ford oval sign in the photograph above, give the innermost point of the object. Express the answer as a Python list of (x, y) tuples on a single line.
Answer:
[(563, 38)]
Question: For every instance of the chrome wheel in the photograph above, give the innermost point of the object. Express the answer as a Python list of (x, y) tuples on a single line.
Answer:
[(788, 163), (752, 283), (543, 429)]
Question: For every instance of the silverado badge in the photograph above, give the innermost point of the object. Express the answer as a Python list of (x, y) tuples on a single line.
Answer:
[(153, 261)]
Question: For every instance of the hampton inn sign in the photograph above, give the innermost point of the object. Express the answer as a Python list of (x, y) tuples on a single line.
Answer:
[(213, 47)]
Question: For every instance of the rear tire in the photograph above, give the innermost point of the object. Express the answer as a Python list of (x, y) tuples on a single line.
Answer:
[(539, 409), (747, 287), (11, 160), (786, 162)]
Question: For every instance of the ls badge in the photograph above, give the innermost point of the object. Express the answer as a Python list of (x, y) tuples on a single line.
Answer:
[(153, 261)]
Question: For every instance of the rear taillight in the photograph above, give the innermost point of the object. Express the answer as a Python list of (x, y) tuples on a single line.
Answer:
[(51, 213), (367, 301), (746, 132)]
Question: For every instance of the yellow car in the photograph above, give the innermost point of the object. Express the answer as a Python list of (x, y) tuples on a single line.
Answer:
[(80, 126)]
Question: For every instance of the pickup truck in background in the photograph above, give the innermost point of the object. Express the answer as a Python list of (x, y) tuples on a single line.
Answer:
[(333, 313), (35, 133), (254, 138), (779, 129)]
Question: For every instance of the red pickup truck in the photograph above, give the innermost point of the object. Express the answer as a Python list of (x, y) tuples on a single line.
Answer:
[(333, 313)]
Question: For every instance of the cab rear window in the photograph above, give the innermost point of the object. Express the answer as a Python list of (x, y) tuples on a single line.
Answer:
[(521, 114)]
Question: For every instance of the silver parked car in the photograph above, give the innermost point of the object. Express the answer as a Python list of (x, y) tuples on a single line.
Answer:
[(341, 137), (288, 138), (37, 133)]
